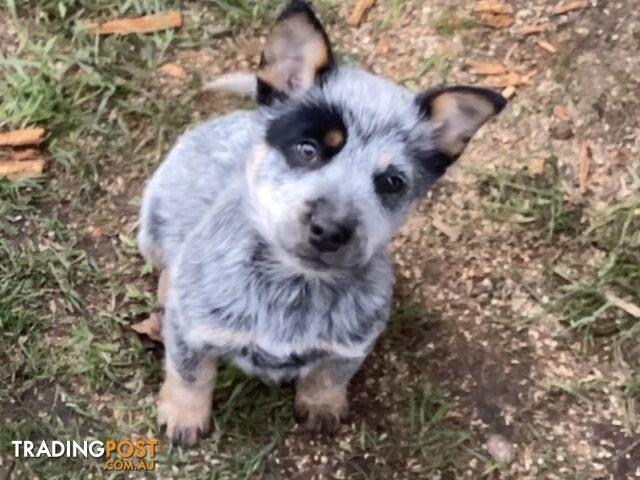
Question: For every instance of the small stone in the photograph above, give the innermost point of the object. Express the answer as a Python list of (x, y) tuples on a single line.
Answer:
[(500, 449), (561, 131)]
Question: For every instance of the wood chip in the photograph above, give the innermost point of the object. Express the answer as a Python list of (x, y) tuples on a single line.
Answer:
[(14, 169), (511, 79), (532, 29), (358, 12), (485, 68), (151, 327), (565, 7), (146, 24), (562, 113), (26, 136), (496, 20), (536, 166), (510, 52), (95, 232), (492, 6), (508, 92), (452, 232), (630, 308), (24, 155), (547, 46), (529, 75), (584, 164), (383, 46), (173, 70)]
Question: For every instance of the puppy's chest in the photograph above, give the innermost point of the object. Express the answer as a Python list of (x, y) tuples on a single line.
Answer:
[(279, 330), (237, 299)]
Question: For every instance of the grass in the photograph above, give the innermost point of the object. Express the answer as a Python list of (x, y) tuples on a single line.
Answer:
[(595, 279), (531, 200), (449, 23)]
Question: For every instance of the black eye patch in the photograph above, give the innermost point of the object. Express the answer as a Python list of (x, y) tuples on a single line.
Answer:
[(390, 185), (318, 124)]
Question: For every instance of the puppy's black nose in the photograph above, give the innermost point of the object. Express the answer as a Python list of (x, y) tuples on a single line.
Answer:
[(329, 236)]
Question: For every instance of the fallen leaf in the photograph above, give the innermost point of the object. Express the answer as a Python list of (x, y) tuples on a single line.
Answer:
[(531, 29), (562, 113), (151, 327), (565, 7), (511, 79), (358, 12), (584, 164), (14, 169), (492, 6), (536, 166), (173, 70), (496, 20), (484, 68), (25, 136), (547, 46), (146, 24)]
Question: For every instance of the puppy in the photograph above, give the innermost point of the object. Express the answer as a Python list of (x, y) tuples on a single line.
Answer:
[(272, 226)]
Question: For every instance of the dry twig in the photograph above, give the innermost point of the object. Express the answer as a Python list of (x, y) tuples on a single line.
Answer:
[(358, 12), (147, 24), (565, 7), (26, 136)]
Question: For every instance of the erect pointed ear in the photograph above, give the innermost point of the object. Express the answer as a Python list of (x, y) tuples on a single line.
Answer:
[(457, 113), (296, 55)]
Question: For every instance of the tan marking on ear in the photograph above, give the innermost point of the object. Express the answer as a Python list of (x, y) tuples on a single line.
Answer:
[(458, 116), (334, 138), (384, 161), (442, 105), (294, 53), (317, 54)]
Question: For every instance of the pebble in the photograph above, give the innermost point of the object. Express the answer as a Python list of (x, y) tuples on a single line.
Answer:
[(500, 449)]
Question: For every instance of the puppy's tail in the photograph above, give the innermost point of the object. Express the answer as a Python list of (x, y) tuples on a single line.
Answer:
[(239, 83)]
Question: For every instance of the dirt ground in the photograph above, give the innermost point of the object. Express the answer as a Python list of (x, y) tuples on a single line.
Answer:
[(513, 351)]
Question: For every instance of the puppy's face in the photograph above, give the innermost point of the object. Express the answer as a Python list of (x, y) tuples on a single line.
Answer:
[(346, 153)]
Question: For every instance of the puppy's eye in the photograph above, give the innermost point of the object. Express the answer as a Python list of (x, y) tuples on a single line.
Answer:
[(387, 183), (307, 150)]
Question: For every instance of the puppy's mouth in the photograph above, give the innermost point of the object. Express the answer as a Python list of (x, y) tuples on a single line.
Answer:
[(327, 261)]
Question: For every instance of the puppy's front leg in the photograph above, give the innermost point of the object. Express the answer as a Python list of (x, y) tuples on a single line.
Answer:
[(184, 403), (321, 396)]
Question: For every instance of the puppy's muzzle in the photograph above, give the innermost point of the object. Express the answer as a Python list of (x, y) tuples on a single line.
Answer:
[(327, 231)]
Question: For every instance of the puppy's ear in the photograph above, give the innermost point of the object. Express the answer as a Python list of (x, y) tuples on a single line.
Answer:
[(456, 114), (296, 55)]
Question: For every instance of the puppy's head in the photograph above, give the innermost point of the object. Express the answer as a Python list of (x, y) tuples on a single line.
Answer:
[(346, 153)]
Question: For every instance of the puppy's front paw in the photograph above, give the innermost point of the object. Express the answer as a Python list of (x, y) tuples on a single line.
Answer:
[(322, 417), (185, 412)]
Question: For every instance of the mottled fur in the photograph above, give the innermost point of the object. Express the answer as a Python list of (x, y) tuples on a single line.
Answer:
[(230, 215)]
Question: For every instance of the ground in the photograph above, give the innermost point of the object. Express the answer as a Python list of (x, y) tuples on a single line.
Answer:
[(513, 350)]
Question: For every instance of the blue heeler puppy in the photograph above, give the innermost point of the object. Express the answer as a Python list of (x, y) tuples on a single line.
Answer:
[(273, 226)]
